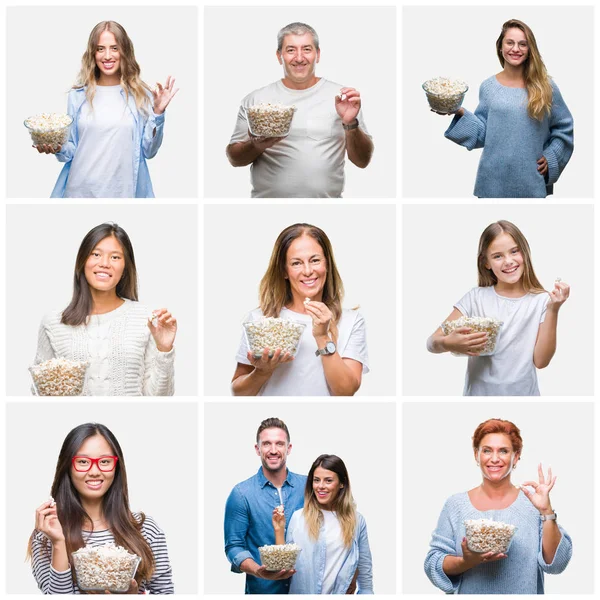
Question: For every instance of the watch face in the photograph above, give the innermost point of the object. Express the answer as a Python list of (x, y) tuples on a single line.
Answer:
[(330, 347)]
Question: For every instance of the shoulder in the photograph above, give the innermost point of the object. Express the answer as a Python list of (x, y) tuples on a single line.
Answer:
[(297, 478), (540, 299), (243, 487), (479, 292), (136, 308), (255, 313), (297, 518), (150, 528), (331, 85), (254, 96), (352, 317), (454, 505), (51, 319), (488, 84)]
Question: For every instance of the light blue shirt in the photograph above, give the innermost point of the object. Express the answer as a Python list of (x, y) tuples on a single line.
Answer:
[(248, 523), (148, 135), (310, 565)]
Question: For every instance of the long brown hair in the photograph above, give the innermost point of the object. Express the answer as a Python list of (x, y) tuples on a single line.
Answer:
[(275, 291), (486, 276), (343, 504), (125, 528), (130, 69), (81, 304), (537, 80)]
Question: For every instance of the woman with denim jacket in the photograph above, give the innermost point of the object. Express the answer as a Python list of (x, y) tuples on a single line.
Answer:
[(117, 122), (335, 556)]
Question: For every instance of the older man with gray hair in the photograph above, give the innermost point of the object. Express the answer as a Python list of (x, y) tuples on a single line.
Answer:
[(327, 124)]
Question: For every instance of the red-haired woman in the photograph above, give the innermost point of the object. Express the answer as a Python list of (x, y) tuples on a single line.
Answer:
[(539, 545)]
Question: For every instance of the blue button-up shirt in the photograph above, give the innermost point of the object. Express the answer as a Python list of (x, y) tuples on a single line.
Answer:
[(248, 523)]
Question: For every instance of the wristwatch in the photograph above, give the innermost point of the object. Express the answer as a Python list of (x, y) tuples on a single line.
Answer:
[(351, 126), (551, 517), (330, 348)]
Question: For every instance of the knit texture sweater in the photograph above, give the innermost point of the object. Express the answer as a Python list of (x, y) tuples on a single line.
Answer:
[(123, 357), (522, 572), (513, 142)]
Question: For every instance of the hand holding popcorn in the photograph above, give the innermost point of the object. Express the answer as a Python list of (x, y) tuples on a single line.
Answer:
[(163, 327)]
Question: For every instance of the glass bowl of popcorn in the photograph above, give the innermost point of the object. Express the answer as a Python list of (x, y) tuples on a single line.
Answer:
[(445, 95), (273, 333), (270, 119), (49, 128), (105, 568), (59, 377), (278, 557), (486, 535), (488, 325)]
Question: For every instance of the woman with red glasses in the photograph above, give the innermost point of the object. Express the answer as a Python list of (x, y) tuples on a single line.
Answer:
[(90, 507)]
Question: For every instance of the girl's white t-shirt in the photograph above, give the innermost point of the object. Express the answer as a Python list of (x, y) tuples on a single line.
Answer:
[(509, 371), (304, 376), (103, 163), (335, 551)]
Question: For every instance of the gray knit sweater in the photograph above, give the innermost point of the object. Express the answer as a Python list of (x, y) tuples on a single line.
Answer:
[(513, 142), (522, 572)]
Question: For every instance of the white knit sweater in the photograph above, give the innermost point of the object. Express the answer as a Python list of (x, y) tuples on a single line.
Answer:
[(124, 359)]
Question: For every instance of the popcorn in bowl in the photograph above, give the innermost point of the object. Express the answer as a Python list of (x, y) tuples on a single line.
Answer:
[(273, 333), (105, 568), (485, 535), (49, 128), (445, 95), (58, 377), (488, 324), (276, 558), (270, 120)]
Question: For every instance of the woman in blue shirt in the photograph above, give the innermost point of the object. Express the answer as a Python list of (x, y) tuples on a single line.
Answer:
[(332, 534), (117, 122)]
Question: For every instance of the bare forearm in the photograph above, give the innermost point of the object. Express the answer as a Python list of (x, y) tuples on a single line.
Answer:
[(454, 565), (242, 154), (60, 558), (545, 345), (551, 537), (340, 378), (279, 537), (435, 344), (250, 384), (359, 147)]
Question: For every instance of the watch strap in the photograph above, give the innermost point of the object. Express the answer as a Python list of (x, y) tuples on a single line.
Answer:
[(351, 125), (551, 517)]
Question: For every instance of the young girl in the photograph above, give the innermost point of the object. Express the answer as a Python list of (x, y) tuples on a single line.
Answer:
[(522, 123), (129, 348), (90, 507), (508, 291), (335, 554), (117, 122)]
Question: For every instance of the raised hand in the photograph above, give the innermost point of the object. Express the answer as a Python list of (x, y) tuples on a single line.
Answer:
[(163, 327), (347, 104), (558, 295), (163, 95), (540, 497), (46, 521), (321, 317)]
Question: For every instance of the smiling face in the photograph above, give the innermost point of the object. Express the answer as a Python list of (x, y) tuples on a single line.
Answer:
[(306, 268), (496, 457), (504, 258), (108, 57), (326, 486), (93, 484), (515, 48), (273, 449), (299, 58), (104, 267)]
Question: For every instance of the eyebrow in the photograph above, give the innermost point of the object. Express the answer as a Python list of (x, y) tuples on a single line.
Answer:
[(500, 251), (303, 46), (313, 256), (111, 252), (499, 448)]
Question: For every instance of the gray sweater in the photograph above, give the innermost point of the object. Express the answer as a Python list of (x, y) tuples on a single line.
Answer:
[(522, 572), (513, 142)]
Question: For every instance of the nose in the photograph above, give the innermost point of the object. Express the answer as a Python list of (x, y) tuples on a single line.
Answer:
[(307, 268), (94, 470), (103, 261)]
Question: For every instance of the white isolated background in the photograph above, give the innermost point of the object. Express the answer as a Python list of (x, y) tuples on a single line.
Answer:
[(460, 42), (45, 46), (364, 244), (160, 460), (41, 248), (440, 266), (351, 430), (438, 462), (358, 49)]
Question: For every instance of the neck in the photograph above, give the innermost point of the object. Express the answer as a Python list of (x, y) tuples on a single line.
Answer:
[(495, 490), (109, 79), (104, 302), (277, 478), (509, 290), (304, 85), (94, 510), (514, 73)]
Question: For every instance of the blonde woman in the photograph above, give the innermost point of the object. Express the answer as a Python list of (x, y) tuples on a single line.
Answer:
[(117, 122), (302, 284), (335, 556), (522, 123)]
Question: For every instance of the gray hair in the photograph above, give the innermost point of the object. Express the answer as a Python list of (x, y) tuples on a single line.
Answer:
[(296, 29)]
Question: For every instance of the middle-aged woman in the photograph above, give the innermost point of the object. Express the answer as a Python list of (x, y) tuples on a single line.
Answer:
[(118, 122), (335, 554), (539, 544), (522, 123), (129, 348), (302, 284), (90, 507)]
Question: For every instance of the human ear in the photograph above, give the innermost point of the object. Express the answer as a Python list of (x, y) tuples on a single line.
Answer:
[(257, 449), (278, 55)]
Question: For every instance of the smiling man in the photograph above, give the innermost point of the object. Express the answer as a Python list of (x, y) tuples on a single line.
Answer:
[(250, 505), (327, 125)]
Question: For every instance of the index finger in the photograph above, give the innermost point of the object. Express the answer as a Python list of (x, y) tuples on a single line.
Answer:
[(541, 473)]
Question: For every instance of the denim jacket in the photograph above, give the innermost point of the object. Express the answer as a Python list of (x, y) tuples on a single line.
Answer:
[(146, 144), (310, 565)]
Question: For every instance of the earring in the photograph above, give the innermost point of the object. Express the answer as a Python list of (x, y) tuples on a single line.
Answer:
[(477, 463)]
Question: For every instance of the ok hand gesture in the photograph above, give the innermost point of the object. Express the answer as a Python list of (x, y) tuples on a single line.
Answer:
[(540, 497), (163, 95)]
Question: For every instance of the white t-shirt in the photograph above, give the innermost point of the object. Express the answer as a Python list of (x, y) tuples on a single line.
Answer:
[(103, 163), (309, 161), (304, 376), (335, 551), (510, 370)]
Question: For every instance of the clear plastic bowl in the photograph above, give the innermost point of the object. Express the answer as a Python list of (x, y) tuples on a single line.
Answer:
[(115, 578), (271, 125), (58, 377), (444, 104), (53, 136), (493, 332), (276, 558), (482, 538), (273, 333)]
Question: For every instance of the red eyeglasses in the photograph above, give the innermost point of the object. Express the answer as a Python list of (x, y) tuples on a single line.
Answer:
[(85, 463)]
